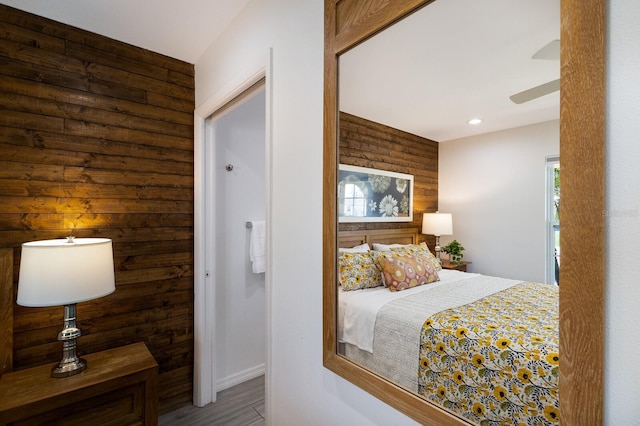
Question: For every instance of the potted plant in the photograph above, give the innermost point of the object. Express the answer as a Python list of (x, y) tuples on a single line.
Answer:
[(454, 249)]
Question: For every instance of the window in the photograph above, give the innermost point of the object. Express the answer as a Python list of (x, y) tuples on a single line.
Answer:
[(355, 201), (553, 220)]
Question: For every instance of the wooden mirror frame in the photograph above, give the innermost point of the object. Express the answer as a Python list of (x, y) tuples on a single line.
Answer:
[(582, 152)]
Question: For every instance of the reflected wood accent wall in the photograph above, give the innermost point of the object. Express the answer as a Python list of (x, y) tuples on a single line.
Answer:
[(365, 143), (96, 140)]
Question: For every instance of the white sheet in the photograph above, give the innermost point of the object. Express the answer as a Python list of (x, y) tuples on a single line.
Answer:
[(357, 309)]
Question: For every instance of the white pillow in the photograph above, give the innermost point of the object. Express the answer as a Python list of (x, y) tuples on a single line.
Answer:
[(386, 247), (362, 248)]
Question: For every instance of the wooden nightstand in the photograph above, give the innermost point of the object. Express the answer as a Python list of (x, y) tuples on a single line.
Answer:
[(461, 266), (119, 387)]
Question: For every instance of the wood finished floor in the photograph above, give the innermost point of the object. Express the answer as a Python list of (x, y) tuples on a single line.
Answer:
[(241, 405)]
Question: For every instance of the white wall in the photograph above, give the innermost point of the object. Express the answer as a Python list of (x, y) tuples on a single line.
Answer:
[(494, 185), (622, 390), (300, 390), (239, 139)]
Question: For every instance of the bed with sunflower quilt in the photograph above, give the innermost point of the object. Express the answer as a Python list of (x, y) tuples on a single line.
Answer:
[(484, 348)]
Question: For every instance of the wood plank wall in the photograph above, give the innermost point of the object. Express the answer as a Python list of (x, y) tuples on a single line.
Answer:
[(96, 140), (365, 143), (6, 310)]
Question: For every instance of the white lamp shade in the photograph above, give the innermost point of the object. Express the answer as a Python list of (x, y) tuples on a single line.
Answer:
[(63, 272), (437, 224)]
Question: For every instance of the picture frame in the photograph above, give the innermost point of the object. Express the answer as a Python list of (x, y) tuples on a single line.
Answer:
[(372, 195)]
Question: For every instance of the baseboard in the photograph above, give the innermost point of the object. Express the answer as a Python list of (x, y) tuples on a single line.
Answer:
[(241, 377)]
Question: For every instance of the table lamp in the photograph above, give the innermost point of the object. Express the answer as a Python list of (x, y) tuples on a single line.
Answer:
[(437, 224), (66, 272)]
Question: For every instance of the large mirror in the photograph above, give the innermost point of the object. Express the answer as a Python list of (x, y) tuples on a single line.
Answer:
[(472, 40)]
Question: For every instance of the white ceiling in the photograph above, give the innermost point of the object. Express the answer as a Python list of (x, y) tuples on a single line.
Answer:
[(179, 29), (452, 61), (427, 75)]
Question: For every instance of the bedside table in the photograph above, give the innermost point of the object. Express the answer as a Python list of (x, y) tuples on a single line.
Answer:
[(119, 387), (460, 266)]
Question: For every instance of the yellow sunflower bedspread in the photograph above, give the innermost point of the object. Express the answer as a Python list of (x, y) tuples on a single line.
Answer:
[(495, 361)]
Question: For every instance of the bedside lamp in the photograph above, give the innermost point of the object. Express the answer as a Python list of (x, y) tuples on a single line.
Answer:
[(437, 224), (66, 272)]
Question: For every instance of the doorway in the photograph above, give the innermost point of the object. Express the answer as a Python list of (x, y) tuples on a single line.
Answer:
[(218, 198), (238, 183)]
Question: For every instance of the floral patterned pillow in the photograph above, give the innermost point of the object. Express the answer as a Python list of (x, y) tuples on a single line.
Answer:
[(417, 250), (403, 272), (358, 271)]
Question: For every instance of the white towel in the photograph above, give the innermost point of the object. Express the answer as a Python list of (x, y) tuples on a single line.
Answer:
[(256, 247)]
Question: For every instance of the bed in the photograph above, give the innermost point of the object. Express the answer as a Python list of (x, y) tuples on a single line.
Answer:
[(485, 348)]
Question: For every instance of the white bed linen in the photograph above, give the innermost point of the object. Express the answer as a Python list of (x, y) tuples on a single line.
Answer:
[(358, 309)]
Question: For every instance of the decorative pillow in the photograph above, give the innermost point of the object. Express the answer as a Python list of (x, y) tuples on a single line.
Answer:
[(358, 271), (403, 272), (417, 250), (362, 248)]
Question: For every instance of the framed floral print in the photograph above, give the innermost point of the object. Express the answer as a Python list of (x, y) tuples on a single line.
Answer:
[(371, 195)]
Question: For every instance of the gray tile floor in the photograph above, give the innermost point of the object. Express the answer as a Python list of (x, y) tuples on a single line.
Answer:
[(241, 405)]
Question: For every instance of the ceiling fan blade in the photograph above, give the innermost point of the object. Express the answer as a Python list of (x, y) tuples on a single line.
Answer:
[(536, 92), (550, 51)]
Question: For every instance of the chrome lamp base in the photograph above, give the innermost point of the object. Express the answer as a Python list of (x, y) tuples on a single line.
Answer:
[(70, 364), (438, 249)]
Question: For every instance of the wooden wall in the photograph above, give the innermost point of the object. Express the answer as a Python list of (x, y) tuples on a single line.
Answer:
[(367, 144), (96, 140)]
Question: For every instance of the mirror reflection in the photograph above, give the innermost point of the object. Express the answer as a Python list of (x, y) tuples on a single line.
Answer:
[(475, 332)]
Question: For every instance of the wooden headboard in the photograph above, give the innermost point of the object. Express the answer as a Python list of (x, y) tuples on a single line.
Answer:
[(6, 310), (381, 236)]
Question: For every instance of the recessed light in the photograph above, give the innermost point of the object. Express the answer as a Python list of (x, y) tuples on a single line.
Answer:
[(475, 121)]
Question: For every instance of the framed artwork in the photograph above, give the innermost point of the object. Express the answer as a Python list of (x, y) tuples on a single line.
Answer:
[(371, 195)]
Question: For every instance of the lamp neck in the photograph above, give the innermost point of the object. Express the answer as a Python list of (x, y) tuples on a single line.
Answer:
[(438, 249), (70, 316), (70, 332)]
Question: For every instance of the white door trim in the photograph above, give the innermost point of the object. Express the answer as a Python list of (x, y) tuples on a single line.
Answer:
[(204, 379)]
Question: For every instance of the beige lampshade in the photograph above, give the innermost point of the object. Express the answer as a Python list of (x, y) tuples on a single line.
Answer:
[(437, 224), (65, 271)]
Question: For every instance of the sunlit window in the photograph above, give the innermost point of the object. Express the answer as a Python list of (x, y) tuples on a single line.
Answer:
[(355, 201), (553, 220)]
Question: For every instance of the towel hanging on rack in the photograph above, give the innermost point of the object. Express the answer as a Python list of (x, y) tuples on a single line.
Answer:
[(257, 246)]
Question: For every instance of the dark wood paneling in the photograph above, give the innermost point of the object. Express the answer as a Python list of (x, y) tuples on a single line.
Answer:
[(6, 310), (365, 143), (96, 139)]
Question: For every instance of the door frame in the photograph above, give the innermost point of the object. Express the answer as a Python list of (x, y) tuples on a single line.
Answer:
[(204, 380)]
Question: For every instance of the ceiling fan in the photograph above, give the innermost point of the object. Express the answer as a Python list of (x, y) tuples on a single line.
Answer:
[(551, 51)]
